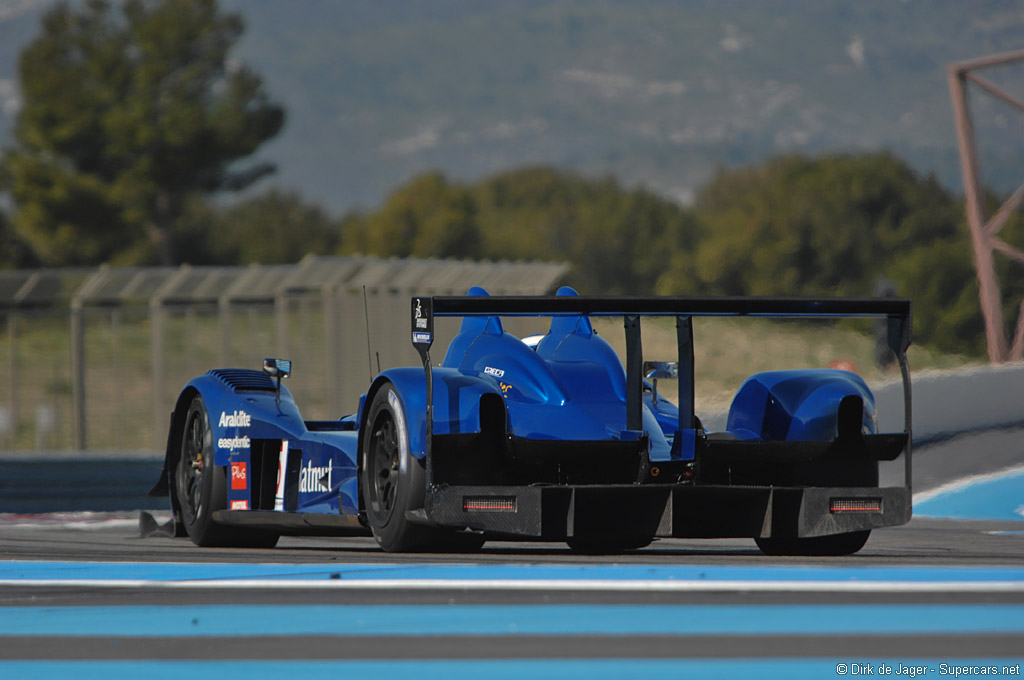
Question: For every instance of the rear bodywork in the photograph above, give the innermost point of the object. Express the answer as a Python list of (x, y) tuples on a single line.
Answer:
[(562, 442)]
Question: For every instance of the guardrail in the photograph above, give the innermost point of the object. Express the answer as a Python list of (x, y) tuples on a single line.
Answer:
[(59, 481), (949, 403), (945, 404)]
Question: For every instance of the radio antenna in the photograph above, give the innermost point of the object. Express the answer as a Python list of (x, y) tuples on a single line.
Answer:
[(369, 351)]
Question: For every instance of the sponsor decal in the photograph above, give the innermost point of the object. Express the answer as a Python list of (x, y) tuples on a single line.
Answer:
[(233, 443), (282, 461), (421, 338), (420, 321), (239, 505), (315, 479), (239, 478), (236, 419), (496, 372)]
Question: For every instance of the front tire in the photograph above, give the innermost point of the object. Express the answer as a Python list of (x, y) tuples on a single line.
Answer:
[(201, 487)]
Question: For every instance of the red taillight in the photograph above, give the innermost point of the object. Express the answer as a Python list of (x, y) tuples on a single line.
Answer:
[(855, 505), (489, 503)]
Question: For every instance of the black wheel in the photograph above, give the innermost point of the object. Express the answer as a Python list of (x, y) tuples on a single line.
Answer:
[(458, 543), (201, 487), (607, 545), (818, 546), (847, 471), (393, 481)]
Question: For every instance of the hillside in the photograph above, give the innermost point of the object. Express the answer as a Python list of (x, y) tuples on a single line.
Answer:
[(656, 92)]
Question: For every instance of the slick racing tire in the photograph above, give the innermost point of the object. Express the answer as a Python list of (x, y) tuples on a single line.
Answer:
[(815, 546), (393, 481), (201, 487), (863, 473), (612, 545)]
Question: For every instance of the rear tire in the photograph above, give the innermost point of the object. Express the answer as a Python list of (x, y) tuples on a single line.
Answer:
[(815, 546), (608, 545), (456, 542), (201, 488), (854, 472)]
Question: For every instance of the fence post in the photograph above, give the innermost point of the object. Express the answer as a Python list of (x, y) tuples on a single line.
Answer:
[(281, 314), (78, 419), (224, 323), (156, 354), (332, 355), (12, 378)]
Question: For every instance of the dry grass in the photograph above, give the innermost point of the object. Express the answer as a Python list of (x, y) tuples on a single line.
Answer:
[(119, 378), (727, 350)]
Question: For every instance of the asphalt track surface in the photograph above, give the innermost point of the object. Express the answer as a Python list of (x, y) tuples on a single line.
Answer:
[(940, 594)]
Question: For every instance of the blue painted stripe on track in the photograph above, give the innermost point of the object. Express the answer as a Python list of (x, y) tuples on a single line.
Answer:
[(500, 669), (219, 620), (26, 570), (991, 497)]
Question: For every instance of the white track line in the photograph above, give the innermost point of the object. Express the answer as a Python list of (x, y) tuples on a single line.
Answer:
[(576, 585), (957, 485)]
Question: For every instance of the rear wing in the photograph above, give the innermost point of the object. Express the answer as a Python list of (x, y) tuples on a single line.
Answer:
[(896, 312)]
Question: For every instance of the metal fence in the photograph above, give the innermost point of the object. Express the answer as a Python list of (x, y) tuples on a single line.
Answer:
[(95, 358)]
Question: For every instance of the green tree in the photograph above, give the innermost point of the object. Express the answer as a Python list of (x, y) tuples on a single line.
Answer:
[(274, 227), (835, 225), (618, 241), (940, 281), (14, 254), (130, 112), (428, 217), (824, 225)]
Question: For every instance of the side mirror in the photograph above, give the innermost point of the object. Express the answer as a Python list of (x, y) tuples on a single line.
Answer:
[(277, 368), (660, 370)]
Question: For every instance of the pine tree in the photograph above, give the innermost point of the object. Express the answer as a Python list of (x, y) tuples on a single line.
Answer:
[(129, 111)]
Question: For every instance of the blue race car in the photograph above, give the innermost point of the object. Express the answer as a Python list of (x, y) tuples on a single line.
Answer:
[(552, 439)]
